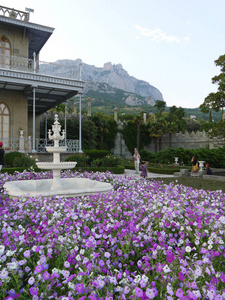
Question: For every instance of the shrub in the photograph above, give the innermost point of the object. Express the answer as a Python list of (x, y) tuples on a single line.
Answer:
[(81, 159), (9, 158), (214, 157), (107, 161), (94, 154), (24, 161)]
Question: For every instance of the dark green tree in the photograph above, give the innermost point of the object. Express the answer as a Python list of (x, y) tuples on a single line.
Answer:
[(106, 130), (161, 106), (175, 121), (216, 101)]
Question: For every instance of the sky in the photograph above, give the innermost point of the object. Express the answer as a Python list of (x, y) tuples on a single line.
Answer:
[(171, 44)]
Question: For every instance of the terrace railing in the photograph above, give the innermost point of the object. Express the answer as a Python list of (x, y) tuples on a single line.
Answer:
[(24, 145), (61, 69)]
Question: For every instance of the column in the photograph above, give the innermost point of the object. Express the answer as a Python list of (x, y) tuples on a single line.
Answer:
[(89, 107)]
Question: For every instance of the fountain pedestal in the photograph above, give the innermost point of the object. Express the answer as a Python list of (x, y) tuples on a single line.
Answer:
[(56, 166)]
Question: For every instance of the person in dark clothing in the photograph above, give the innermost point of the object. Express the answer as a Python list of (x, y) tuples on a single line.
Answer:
[(208, 170), (2, 152)]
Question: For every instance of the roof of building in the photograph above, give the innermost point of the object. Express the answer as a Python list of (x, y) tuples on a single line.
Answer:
[(38, 34)]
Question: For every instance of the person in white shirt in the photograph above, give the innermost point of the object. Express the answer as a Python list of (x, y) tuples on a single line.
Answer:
[(137, 158)]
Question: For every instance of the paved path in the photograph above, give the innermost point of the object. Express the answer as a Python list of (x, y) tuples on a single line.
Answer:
[(150, 175)]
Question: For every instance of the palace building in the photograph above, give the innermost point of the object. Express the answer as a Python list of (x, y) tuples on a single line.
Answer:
[(26, 91)]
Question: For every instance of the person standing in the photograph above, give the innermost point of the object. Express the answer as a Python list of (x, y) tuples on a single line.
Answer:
[(143, 169), (194, 169), (2, 152), (137, 158)]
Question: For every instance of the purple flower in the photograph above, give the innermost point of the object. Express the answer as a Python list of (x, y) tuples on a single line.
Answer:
[(181, 276), (46, 275), (150, 293), (80, 288), (31, 280), (179, 293), (38, 269), (138, 292), (33, 291), (26, 253), (101, 263)]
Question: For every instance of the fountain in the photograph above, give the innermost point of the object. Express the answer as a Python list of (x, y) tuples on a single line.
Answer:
[(56, 186)]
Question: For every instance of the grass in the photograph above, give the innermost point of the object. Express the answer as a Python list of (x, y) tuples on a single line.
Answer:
[(196, 183)]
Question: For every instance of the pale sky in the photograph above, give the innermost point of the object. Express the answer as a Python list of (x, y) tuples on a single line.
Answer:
[(172, 44)]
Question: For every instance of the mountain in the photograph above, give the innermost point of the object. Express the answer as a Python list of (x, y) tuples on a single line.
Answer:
[(111, 80)]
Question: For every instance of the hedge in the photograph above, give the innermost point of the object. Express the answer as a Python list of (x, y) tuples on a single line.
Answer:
[(114, 170)]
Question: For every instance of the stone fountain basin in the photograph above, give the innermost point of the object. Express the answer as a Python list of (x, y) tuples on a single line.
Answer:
[(71, 187), (52, 149), (55, 166)]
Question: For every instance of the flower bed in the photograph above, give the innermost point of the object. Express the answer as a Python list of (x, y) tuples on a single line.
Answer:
[(144, 240)]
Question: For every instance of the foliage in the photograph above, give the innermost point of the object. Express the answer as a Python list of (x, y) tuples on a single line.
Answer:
[(94, 154), (15, 170), (214, 157), (106, 130), (206, 126), (81, 159), (9, 158), (24, 161), (160, 105), (218, 129), (192, 125), (107, 161), (129, 133), (175, 120), (216, 101)]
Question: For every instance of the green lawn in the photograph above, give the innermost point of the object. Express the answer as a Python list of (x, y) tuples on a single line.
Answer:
[(197, 183)]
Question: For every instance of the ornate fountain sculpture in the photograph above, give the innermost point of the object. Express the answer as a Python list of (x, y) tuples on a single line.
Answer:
[(56, 186), (56, 166)]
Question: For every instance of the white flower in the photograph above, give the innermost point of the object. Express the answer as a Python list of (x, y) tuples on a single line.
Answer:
[(12, 266), (71, 285), (222, 219), (137, 279), (144, 278), (166, 269), (107, 254), (2, 249), (188, 249), (78, 258)]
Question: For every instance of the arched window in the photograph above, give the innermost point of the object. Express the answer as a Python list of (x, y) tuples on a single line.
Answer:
[(4, 123), (5, 51)]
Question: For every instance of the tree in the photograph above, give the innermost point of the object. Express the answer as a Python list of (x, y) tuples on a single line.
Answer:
[(138, 120), (175, 121), (160, 105), (216, 101)]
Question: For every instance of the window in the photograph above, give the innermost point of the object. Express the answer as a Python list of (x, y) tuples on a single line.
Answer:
[(4, 123), (5, 50)]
